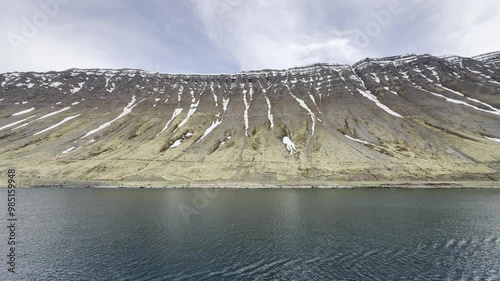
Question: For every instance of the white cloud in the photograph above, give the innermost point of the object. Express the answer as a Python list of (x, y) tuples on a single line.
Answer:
[(77, 37), (468, 28), (43, 54), (233, 35), (272, 34), (286, 33)]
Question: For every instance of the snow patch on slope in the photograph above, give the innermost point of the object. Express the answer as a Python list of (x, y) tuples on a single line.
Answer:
[(450, 90), (23, 112), (68, 150), (43, 117), (314, 101), (493, 111), (177, 111), (214, 95), (493, 139), (55, 84), (304, 105), (15, 123), (373, 98), (112, 88), (56, 125), (269, 113), (125, 112), (192, 110), (211, 128), (225, 102), (76, 89), (358, 140), (389, 90), (245, 113), (290, 146), (176, 143)]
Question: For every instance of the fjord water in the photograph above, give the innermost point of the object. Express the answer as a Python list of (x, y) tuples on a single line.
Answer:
[(141, 234)]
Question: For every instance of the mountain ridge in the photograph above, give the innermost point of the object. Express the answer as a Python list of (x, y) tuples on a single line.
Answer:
[(485, 57)]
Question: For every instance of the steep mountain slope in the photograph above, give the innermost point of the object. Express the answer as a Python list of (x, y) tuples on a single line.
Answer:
[(397, 118), (489, 58)]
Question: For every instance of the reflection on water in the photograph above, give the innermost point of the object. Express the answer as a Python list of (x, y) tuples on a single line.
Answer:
[(88, 234)]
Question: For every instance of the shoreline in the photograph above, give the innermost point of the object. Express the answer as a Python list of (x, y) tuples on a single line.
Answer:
[(289, 187), (457, 187), (27, 182)]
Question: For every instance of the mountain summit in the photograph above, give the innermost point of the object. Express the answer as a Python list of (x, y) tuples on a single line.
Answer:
[(401, 118)]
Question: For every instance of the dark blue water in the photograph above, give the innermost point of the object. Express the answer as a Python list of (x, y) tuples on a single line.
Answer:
[(87, 234)]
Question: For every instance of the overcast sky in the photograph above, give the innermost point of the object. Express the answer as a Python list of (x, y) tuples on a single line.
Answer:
[(220, 36)]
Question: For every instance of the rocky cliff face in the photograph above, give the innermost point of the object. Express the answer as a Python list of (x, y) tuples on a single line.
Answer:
[(397, 118)]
